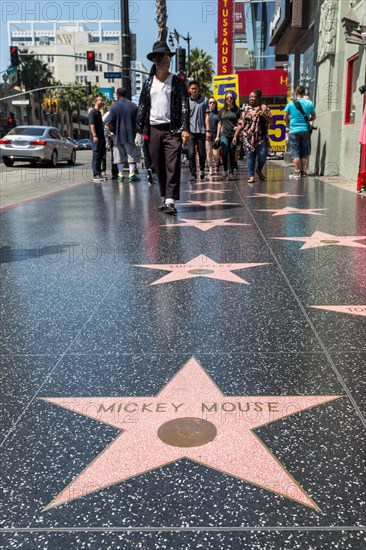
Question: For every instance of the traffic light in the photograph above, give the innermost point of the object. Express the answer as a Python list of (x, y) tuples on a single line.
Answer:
[(181, 60), (90, 61), (54, 105), (11, 121), (14, 56), (46, 105), (88, 88)]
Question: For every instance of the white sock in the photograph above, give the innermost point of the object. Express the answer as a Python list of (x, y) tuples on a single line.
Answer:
[(120, 168), (169, 201), (132, 167)]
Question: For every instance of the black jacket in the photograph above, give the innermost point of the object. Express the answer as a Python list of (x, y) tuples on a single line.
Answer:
[(179, 107)]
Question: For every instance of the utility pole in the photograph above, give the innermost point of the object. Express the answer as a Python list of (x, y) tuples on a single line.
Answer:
[(125, 46)]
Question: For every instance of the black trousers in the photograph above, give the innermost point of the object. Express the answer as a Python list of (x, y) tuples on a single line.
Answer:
[(98, 154), (197, 141), (164, 149), (145, 148)]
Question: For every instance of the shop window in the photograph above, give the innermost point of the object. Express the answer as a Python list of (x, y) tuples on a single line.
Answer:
[(351, 89)]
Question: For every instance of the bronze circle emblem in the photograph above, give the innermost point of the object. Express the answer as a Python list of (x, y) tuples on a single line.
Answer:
[(187, 432), (201, 271)]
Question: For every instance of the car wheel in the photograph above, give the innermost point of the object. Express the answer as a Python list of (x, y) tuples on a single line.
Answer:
[(8, 162), (73, 157), (53, 161)]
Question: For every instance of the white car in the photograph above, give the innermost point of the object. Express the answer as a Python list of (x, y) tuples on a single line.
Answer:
[(36, 144)]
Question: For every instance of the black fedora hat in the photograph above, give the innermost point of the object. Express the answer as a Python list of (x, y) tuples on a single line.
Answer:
[(159, 47)]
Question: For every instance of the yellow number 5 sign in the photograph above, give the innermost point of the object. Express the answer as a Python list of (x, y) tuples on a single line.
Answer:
[(222, 84)]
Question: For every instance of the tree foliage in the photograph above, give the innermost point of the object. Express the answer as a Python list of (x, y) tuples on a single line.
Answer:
[(33, 72), (201, 66)]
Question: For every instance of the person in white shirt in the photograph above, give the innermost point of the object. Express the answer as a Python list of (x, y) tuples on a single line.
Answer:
[(163, 114)]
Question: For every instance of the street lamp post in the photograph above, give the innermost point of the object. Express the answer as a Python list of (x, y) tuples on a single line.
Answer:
[(188, 39)]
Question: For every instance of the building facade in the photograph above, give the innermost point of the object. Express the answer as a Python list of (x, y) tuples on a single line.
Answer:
[(66, 38), (326, 44)]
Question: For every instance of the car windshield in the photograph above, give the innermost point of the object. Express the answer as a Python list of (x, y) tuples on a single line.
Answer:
[(26, 131)]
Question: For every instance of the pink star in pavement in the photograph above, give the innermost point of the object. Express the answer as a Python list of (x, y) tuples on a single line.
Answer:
[(186, 420), (201, 266), (204, 225), (272, 196), (290, 210), (208, 182), (352, 310), (201, 191), (209, 203), (319, 239)]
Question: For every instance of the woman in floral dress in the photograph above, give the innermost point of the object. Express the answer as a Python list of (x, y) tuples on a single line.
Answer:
[(254, 122)]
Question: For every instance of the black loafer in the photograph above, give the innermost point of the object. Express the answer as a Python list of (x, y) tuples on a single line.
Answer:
[(161, 207), (170, 209), (193, 178)]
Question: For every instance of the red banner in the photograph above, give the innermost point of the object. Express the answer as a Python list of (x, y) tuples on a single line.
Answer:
[(225, 37), (239, 25)]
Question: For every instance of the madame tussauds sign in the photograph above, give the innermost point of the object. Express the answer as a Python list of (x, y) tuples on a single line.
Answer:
[(225, 37)]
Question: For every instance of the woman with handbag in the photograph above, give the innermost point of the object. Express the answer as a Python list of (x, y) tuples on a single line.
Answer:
[(254, 123), (212, 150), (228, 120)]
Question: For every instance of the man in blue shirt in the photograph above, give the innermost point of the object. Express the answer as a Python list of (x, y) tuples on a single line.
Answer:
[(122, 117), (300, 130)]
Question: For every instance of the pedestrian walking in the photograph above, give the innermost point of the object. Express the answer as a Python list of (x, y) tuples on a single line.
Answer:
[(163, 112), (97, 137), (199, 129), (254, 127), (212, 121), (228, 121), (301, 113), (109, 147), (122, 120)]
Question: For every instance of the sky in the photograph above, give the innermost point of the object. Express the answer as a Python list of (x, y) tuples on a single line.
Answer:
[(198, 17)]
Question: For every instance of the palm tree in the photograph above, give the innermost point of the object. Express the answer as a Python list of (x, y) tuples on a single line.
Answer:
[(161, 19), (202, 69), (73, 99), (33, 73)]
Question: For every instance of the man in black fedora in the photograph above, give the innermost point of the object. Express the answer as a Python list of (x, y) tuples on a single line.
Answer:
[(163, 114)]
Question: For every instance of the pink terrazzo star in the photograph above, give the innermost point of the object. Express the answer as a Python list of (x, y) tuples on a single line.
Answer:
[(191, 419), (200, 266), (272, 196), (209, 203), (320, 239), (201, 191), (205, 225), (208, 182), (351, 310), (290, 210)]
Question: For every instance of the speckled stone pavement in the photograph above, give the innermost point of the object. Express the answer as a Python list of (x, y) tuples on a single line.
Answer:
[(190, 381)]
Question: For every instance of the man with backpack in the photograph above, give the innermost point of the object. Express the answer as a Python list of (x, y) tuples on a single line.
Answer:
[(301, 114)]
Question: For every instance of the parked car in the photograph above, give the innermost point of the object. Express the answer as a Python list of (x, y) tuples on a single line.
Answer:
[(84, 144), (36, 144)]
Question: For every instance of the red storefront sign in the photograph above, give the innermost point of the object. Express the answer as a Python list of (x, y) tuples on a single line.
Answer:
[(225, 37), (272, 82)]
